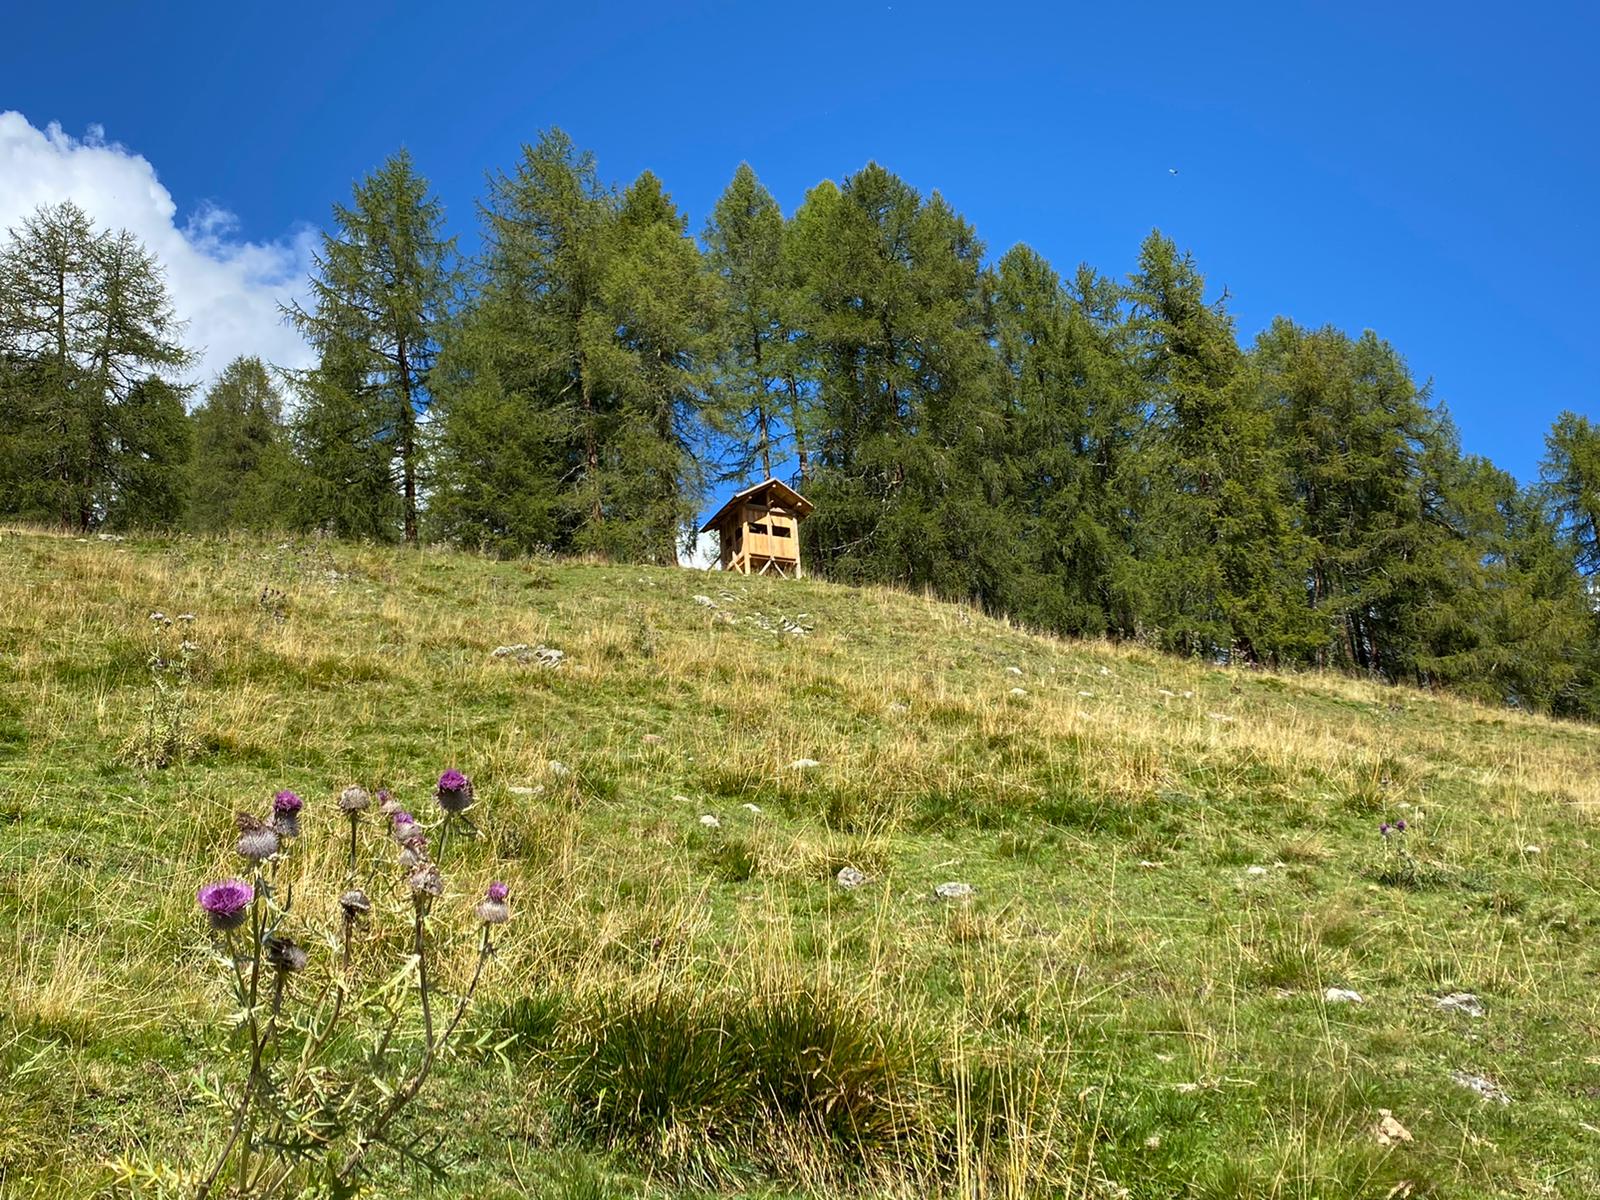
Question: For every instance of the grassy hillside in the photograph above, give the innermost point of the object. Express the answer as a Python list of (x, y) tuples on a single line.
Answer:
[(1171, 866)]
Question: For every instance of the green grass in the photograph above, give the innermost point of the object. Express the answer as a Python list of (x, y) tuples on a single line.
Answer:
[(1126, 1008)]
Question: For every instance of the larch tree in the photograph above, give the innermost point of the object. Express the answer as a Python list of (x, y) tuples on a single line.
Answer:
[(758, 388), (662, 303), (1570, 485), (87, 333), (384, 283), (243, 472)]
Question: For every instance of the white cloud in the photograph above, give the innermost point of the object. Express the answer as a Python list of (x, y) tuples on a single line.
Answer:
[(227, 288)]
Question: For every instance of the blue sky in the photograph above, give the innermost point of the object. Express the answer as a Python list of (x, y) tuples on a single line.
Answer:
[(1428, 171)]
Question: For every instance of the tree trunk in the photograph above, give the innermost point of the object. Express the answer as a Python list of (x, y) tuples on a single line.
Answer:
[(408, 444), (794, 423), (591, 449)]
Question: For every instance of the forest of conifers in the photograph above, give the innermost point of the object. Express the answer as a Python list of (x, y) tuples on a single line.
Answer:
[(1090, 455)]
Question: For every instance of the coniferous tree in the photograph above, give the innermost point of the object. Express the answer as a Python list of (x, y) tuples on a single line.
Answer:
[(525, 410), (661, 301), (384, 282), (1358, 434), (1223, 560), (1570, 477), (1072, 406), (85, 323), (243, 472), (894, 308), (154, 444), (758, 378), (576, 382)]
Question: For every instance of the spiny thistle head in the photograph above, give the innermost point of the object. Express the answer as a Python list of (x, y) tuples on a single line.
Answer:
[(493, 909), (414, 851), (387, 804), (354, 799), (425, 880), (286, 808), (225, 901), (355, 903), (285, 954), (257, 839), (454, 792), (404, 826)]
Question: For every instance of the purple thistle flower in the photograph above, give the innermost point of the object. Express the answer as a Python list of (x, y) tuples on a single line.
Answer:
[(405, 827), (454, 792), (1384, 829), (225, 901), (386, 801), (493, 909), (1400, 825)]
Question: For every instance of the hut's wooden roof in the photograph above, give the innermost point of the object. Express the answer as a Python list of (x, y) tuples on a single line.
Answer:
[(784, 494)]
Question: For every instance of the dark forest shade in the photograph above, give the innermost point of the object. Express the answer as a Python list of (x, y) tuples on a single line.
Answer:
[(1090, 455)]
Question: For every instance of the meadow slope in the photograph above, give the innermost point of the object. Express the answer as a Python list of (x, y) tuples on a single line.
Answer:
[(1171, 866)]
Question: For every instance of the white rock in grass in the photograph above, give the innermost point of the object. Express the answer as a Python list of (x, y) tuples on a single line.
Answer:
[(954, 891), (1019, 691), (680, 799), (1168, 694), (1341, 996), (849, 878), (1460, 1002), (1482, 1084), (1086, 695), (559, 769), (1256, 870), (705, 601), (1013, 670), (754, 809), (1388, 1131), (709, 821), (1531, 850), (803, 764)]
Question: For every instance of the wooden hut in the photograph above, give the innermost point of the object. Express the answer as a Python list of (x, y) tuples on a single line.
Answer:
[(759, 529)]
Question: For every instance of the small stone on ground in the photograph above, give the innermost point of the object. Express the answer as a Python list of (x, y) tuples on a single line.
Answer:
[(1388, 1131), (1341, 996), (1460, 1002), (954, 891), (1482, 1084), (849, 877)]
